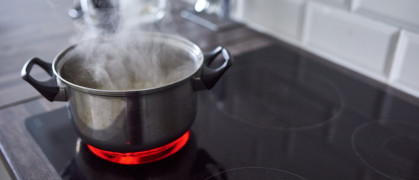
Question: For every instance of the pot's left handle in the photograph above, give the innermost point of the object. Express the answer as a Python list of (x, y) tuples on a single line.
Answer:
[(49, 89)]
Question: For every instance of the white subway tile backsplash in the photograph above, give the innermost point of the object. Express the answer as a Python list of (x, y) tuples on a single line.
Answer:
[(236, 10), (339, 3), (282, 18), (404, 13), (359, 43), (405, 71), (378, 38)]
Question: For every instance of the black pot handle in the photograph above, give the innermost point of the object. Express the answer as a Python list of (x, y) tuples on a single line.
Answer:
[(209, 75), (49, 89)]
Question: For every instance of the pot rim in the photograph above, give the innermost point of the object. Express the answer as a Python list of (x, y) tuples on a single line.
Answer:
[(189, 46)]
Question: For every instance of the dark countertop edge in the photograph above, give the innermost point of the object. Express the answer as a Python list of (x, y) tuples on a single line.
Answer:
[(30, 152), (12, 172)]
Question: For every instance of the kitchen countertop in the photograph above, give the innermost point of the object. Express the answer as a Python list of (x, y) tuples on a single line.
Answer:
[(42, 29)]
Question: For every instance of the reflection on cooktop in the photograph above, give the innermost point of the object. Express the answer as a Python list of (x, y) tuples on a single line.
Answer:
[(255, 173), (276, 114), (277, 97), (390, 148)]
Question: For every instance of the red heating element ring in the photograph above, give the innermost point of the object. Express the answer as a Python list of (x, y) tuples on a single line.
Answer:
[(142, 157)]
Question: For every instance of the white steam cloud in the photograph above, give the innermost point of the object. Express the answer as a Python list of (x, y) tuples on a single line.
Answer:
[(115, 52)]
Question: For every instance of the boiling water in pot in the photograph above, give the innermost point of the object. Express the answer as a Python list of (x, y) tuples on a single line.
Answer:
[(127, 64)]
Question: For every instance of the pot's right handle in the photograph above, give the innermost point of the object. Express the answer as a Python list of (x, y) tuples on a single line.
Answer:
[(210, 75), (49, 89)]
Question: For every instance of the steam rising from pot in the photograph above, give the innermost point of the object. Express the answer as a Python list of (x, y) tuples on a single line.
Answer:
[(114, 55)]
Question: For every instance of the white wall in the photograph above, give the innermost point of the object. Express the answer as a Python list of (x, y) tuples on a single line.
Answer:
[(378, 38)]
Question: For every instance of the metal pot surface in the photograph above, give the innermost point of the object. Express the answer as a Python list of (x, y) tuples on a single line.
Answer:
[(134, 119)]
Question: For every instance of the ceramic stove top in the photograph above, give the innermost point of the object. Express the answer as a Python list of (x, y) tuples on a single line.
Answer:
[(276, 114)]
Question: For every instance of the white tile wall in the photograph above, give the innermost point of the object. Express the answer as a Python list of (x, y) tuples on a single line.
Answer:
[(405, 71), (339, 3), (355, 41), (236, 10), (363, 35), (282, 18), (404, 13)]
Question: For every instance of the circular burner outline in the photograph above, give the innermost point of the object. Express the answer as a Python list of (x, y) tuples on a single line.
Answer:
[(261, 168), (333, 117), (359, 154)]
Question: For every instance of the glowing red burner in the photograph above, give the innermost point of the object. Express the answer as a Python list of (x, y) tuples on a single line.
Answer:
[(142, 157)]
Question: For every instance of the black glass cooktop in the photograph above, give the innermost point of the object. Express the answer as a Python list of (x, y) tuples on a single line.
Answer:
[(276, 114)]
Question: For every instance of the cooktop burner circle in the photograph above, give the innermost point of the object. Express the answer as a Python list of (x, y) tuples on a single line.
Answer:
[(389, 148), (255, 173), (277, 98)]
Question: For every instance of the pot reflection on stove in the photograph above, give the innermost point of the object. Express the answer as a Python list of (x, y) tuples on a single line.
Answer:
[(188, 163), (256, 173)]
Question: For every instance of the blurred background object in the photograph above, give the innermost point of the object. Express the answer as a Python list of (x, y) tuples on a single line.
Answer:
[(212, 14), (113, 14)]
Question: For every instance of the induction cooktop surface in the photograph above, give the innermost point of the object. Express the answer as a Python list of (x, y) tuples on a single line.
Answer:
[(276, 114)]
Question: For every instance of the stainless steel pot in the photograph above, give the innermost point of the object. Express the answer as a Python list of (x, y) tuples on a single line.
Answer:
[(131, 120)]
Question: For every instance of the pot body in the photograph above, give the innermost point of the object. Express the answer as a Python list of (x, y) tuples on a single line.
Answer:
[(133, 122), (136, 119)]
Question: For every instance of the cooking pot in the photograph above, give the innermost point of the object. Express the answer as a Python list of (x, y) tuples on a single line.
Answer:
[(135, 119)]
